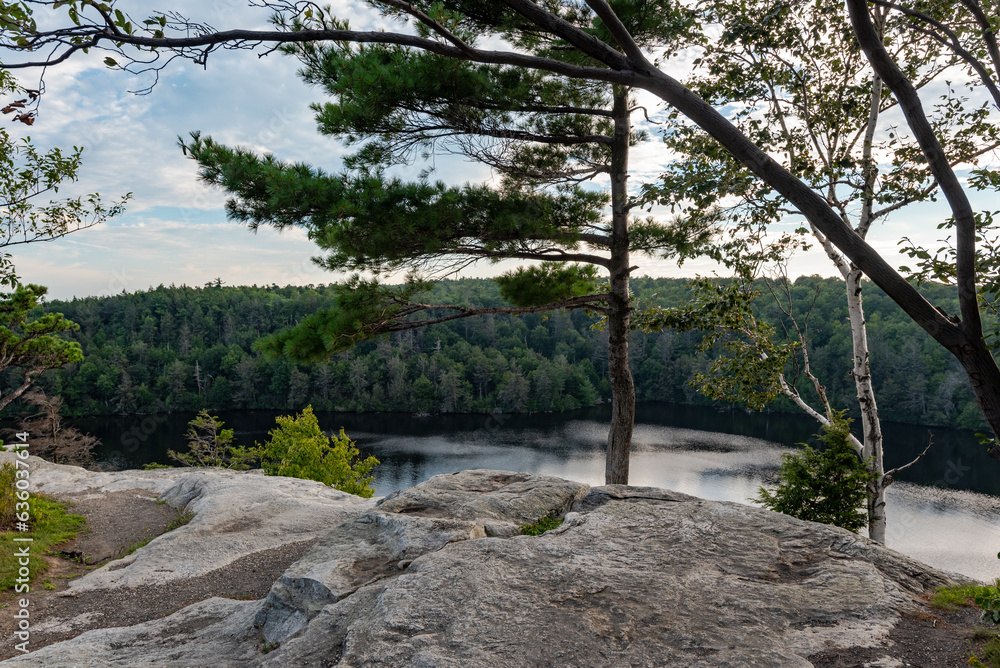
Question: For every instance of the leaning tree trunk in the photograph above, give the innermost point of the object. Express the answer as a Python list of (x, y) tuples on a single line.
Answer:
[(962, 337), (620, 304), (981, 368)]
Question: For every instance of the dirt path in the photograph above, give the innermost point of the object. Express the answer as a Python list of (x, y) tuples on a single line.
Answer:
[(116, 523), (934, 639)]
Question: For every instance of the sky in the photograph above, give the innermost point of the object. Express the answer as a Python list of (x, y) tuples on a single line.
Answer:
[(175, 230)]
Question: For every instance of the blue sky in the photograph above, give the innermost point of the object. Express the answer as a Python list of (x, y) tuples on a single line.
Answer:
[(175, 229)]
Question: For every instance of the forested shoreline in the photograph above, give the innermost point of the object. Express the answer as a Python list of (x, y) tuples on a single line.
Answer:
[(184, 348)]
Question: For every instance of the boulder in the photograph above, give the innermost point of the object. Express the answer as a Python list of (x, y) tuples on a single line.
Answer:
[(404, 526), (437, 576)]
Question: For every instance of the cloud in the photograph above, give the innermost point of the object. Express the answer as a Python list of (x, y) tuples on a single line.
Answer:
[(175, 230)]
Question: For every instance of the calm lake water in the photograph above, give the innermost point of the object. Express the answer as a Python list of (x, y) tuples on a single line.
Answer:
[(944, 511)]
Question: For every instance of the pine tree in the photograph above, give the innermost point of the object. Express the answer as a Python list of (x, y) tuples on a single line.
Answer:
[(543, 134)]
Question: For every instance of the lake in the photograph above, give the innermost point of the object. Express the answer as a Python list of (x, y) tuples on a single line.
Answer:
[(944, 511)]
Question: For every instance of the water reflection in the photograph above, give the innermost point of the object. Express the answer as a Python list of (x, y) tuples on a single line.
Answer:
[(949, 529), (723, 456)]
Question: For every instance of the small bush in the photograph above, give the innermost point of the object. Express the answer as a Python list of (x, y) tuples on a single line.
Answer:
[(988, 598), (540, 526), (828, 485), (298, 448), (211, 445), (990, 650)]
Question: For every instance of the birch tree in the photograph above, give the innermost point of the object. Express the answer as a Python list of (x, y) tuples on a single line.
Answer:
[(595, 44), (806, 92)]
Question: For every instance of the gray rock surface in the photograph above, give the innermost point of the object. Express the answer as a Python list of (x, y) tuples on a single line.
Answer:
[(234, 514), (634, 577), (384, 541)]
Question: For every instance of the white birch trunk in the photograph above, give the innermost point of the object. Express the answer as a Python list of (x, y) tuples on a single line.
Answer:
[(871, 426)]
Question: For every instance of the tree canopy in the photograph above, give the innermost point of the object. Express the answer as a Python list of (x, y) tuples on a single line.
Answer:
[(28, 344), (543, 135), (593, 42)]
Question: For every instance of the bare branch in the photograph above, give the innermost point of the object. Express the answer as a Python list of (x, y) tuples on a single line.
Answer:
[(898, 469)]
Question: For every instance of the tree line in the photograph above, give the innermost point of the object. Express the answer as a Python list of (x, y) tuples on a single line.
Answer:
[(185, 348)]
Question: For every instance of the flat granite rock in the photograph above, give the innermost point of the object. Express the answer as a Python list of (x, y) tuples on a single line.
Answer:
[(404, 526), (633, 577), (235, 514)]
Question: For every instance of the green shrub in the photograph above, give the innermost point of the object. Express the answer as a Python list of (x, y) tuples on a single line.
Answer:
[(211, 445), (952, 598), (298, 448), (988, 598), (540, 526), (828, 485)]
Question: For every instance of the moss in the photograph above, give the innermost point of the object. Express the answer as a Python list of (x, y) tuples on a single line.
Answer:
[(540, 526)]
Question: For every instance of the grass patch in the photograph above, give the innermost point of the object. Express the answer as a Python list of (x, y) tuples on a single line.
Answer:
[(973, 595), (540, 526), (952, 598), (136, 545), (51, 525), (179, 521), (989, 656)]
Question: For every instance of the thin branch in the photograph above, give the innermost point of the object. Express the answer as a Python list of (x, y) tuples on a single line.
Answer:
[(587, 301), (953, 43), (248, 38), (893, 472)]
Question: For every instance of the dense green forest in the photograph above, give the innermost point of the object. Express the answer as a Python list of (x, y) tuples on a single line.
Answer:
[(184, 348)]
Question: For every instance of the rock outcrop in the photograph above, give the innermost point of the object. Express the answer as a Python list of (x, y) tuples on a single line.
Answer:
[(234, 514), (437, 575)]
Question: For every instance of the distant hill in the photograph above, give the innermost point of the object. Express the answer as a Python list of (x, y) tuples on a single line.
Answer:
[(187, 348)]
